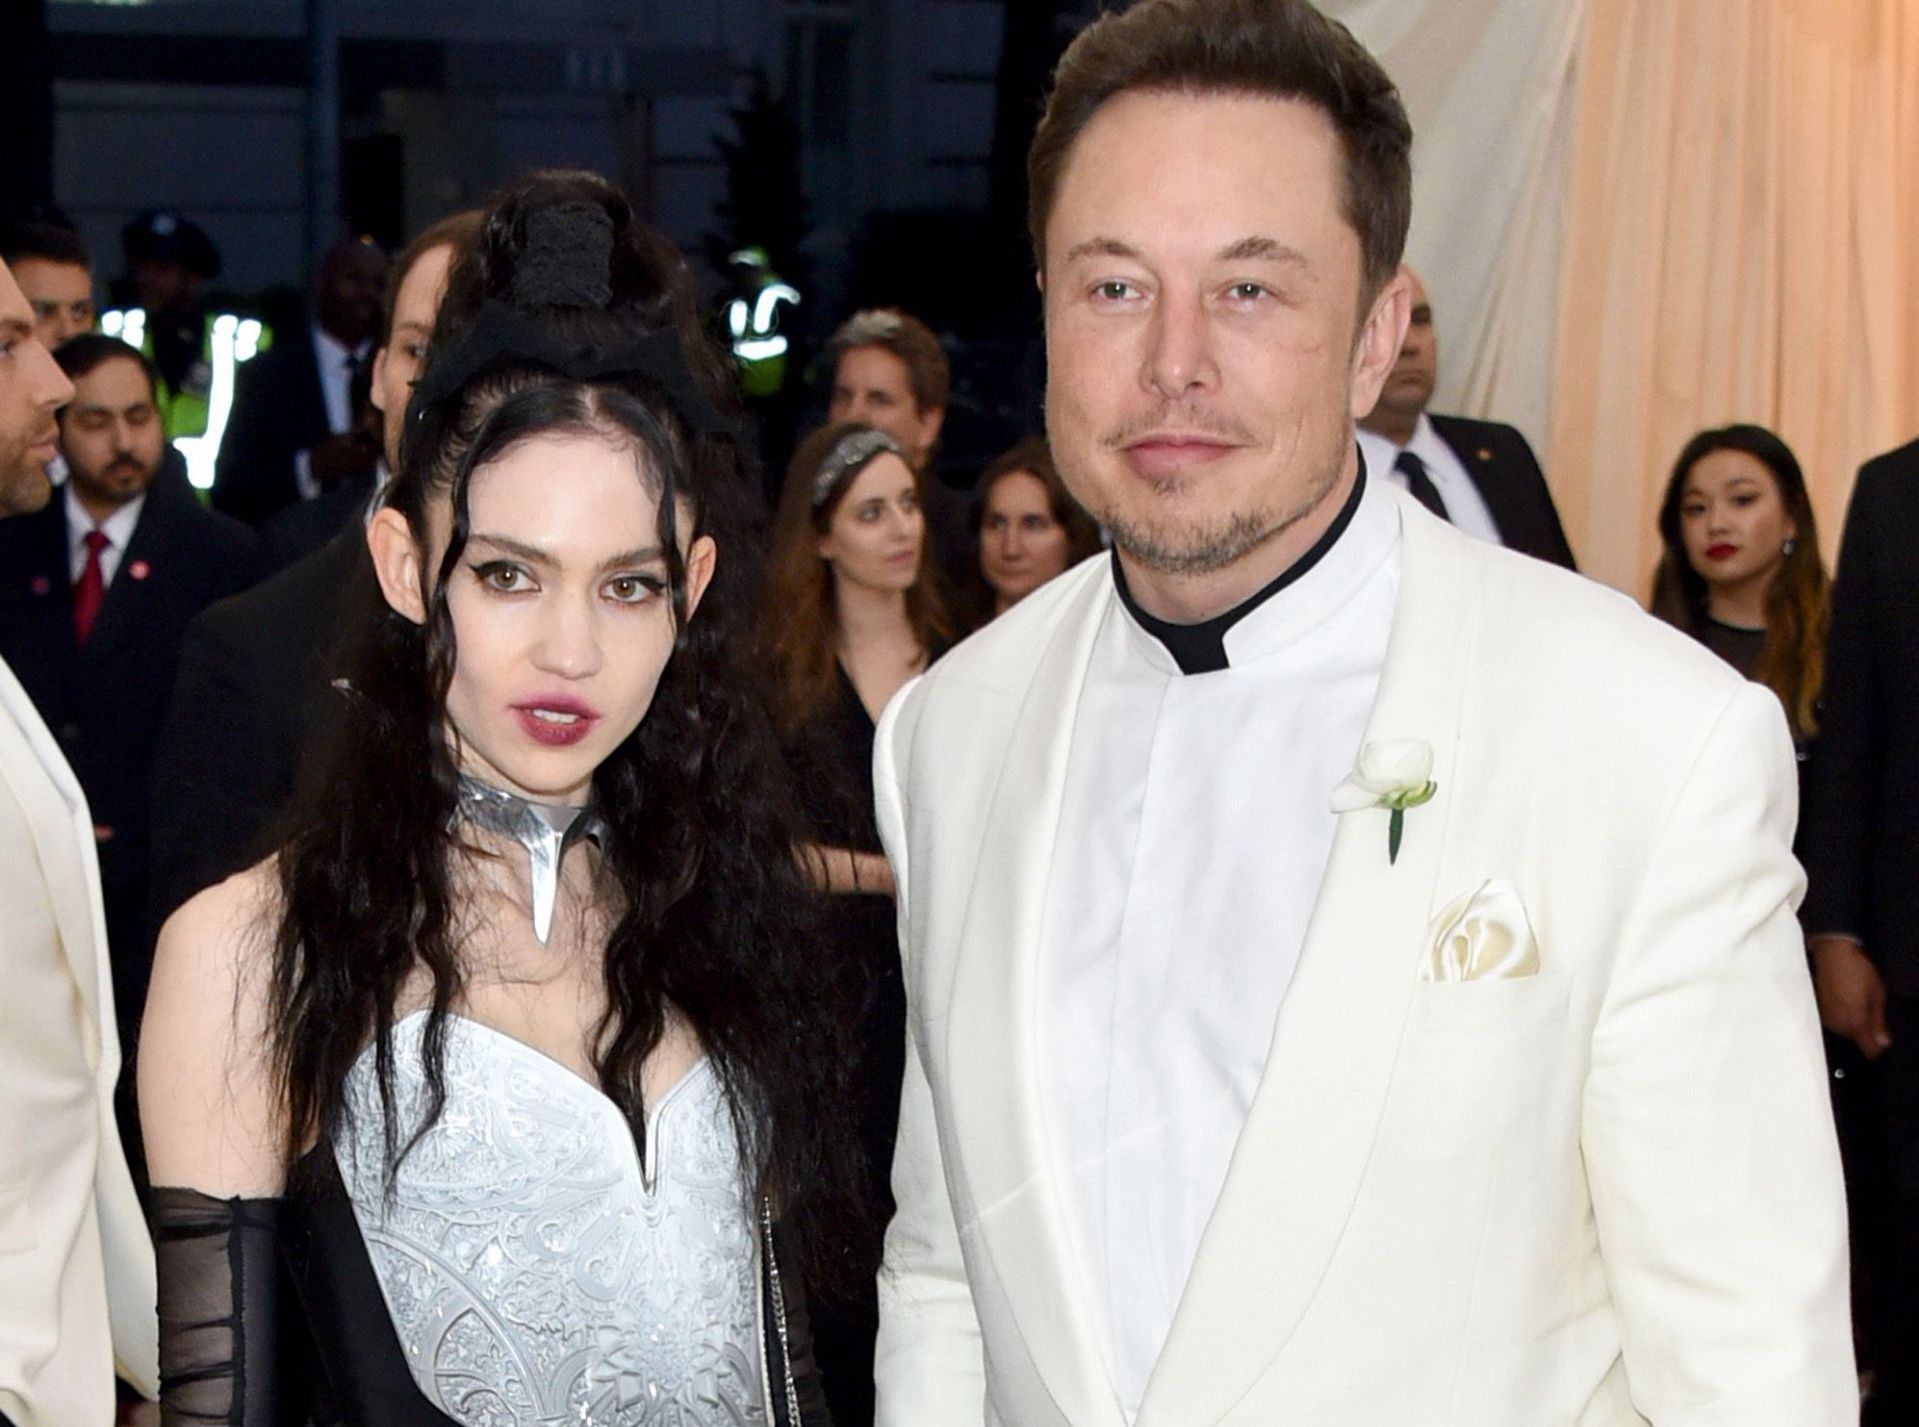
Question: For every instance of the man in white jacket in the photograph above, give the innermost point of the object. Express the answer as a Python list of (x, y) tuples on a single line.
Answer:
[(1352, 968), (76, 1266)]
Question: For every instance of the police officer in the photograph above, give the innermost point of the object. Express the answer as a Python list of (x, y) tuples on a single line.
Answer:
[(195, 347)]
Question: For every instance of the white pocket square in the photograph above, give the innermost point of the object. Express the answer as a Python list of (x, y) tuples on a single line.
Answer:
[(1483, 935)]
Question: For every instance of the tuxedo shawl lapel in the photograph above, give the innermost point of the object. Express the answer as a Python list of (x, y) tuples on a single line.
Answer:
[(1299, 1160), (62, 836), (997, 1115)]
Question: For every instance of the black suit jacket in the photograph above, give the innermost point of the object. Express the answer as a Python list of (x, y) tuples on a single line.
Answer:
[(254, 675), (105, 700), (1507, 473), (1859, 824), (279, 410), (299, 530)]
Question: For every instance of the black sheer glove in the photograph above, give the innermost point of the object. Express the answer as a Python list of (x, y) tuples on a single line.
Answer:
[(217, 1261)]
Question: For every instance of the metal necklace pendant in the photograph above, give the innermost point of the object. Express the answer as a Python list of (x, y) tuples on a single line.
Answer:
[(545, 830)]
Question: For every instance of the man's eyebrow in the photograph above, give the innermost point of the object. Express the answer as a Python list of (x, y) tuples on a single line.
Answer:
[(1263, 249), (1100, 248), (14, 327), (1422, 312)]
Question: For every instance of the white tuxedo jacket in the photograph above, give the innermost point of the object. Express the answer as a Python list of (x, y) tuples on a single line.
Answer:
[(76, 1265), (1600, 1194)]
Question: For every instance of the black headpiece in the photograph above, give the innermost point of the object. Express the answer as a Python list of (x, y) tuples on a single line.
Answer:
[(566, 262), (499, 336)]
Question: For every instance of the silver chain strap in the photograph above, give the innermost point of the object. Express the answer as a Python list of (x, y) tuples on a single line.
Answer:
[(779, 1313)]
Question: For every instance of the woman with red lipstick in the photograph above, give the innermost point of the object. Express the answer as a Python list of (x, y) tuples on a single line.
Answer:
[(512, 1055), (1741, 570), (850, 613)]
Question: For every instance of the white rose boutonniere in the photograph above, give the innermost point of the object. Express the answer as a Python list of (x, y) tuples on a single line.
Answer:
[(1395, 775)]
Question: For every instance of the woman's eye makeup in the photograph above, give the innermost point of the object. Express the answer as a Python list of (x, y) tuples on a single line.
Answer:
[(634, 588), (503, 576)]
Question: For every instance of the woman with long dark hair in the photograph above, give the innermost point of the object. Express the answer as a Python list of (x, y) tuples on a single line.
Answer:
[(1029, 527), (850, 613), (522, 1042), (1740, 570)]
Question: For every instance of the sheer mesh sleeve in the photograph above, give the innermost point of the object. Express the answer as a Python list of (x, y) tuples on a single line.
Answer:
[(218, 1318)]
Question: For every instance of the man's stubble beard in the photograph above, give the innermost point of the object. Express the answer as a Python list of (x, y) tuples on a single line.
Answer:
[(1201, 548), (24, 485)]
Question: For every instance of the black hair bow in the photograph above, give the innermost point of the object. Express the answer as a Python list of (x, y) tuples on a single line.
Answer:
[(499, 336)]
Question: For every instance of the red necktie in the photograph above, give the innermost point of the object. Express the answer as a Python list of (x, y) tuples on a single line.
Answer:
[(92, 587)]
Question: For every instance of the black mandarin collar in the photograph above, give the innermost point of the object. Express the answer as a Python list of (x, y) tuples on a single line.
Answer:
[(1201, 648)]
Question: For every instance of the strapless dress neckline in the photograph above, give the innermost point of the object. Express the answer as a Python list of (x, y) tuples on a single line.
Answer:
[(535, 1272)]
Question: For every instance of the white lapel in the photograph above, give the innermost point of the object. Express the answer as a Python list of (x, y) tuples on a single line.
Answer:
[(998, 1118), (30, 759), (1298, 1163)]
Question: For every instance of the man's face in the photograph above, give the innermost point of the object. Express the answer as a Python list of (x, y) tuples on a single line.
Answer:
[(163, 286), (61, 295), (351, 287), (1205, 356), (397, 364), (32, 389), (111, 434), (1409, 388), (873, 386)]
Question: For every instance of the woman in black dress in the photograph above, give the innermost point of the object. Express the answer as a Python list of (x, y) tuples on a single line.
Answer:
[(850, 615), (1741, 571)]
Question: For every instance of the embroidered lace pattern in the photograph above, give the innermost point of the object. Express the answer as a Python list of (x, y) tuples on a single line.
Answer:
[(534, 1274)]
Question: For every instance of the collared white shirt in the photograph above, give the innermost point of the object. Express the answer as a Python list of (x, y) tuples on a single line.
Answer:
[(336, 362), (1465, 506), (118, 528), (1195, 827)]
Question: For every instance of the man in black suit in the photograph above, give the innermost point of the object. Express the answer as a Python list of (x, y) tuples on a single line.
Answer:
[(256, 671), (293, 434), (1480, 475), (96, 590), (1859, 839)]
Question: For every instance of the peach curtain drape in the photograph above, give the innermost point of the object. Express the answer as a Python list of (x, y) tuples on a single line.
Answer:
[(1741, 242)]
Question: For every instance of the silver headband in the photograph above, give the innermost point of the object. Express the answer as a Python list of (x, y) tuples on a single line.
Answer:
[(849, 455)]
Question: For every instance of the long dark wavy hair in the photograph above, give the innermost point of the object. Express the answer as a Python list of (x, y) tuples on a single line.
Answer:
[(1793, 661), (714, 920), (799, 627)]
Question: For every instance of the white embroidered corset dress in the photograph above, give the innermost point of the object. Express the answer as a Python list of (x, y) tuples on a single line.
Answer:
[(534, 1273)]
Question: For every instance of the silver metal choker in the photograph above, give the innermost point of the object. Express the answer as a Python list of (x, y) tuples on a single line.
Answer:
[(545, 830)]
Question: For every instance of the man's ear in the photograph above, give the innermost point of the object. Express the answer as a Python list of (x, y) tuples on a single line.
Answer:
[(398, 563), (1380, 337), (702, 558), (379, 376)]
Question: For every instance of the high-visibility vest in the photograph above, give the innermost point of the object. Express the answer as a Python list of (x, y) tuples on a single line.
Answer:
[(195, 415), (759, 348)]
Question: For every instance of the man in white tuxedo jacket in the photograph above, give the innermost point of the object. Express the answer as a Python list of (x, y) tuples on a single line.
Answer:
[(1352, 968), (76, 1266)]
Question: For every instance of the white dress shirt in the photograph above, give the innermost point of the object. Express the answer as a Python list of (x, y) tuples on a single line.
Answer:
[(336, 362), (1195, 828), (118, 528), (1465, 506)]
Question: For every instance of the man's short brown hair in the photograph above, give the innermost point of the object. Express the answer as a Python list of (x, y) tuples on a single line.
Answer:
[(458, 231), (1280, 49), (906, 337)]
